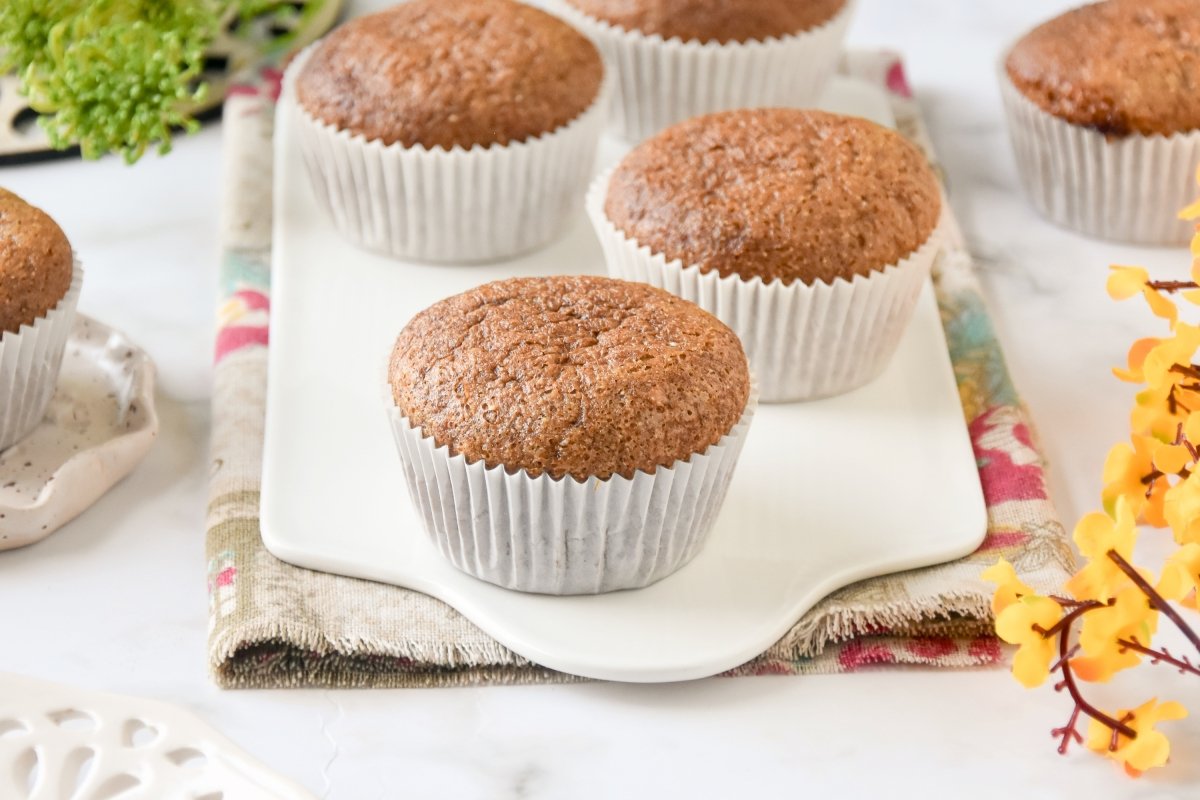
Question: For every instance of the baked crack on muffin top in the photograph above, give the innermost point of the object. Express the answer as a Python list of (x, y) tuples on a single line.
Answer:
[(580, 376), (441, 73), (1121, 67), (774, 193), (721, 21), (36, 263)]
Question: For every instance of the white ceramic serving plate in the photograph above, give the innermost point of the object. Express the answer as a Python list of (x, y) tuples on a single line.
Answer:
[(100, 424), (826, 493)]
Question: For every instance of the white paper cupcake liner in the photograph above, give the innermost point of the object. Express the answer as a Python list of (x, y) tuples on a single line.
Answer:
[(1129, 189), (565, 537), (803, 341), (29, 363), (421, 204), (661, 82)]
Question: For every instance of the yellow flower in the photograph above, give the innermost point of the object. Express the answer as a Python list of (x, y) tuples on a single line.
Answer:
[(1016, 625), (1179, 349), (1191, 212), (1125, 473), (1125, 282), (1171, 459), (1096, 535), (1009, 588), (1135, 359), (1130, 618), (1181, 573), (1191, 428), (1181, 509), (1152, 413), (1149, 749)]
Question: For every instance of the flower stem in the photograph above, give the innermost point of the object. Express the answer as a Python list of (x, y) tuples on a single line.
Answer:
[(1156, 599), (1063, 628), (1187, 370), (1067, 732), (1171, 286), (1182, 664)]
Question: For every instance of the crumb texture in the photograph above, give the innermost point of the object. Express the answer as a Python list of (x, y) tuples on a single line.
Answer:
[(35, 263), (441, 73), (1122, 67), (713, 20), (580, 376), (777, 194)]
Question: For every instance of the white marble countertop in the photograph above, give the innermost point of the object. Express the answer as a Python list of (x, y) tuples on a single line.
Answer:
[(116, 600)]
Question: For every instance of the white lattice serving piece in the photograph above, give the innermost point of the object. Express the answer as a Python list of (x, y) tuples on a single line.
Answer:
[(63, 743)]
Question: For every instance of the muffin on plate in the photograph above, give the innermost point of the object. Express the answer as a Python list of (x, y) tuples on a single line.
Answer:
[(1104, 115), (810, 234), (568, 435), (39, 288), (677, 59), (449, 130)]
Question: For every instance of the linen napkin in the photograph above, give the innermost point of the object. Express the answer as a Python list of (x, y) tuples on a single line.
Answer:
[(275, 625)]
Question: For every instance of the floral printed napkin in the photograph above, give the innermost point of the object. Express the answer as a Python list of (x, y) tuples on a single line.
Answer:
[(275, 625)]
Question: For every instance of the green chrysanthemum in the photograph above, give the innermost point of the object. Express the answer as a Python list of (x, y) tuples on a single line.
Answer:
[(115, 75)]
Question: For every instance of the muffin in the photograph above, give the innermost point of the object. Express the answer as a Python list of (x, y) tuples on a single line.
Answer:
[(568, 435), (1104, 117), (677, 59), (449, 130), (810, 234), (39, 287)]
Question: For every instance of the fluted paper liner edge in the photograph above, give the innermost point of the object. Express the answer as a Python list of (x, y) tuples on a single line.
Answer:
[(1129, 189), (566, 537), (451, 206), (664, 81), (30, 359), (803, 341)]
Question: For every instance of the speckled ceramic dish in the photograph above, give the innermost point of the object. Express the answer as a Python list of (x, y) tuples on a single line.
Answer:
[(100, 424)]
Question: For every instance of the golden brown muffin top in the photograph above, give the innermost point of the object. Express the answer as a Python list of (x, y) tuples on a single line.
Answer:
[(441, 73), (580, 376), (713, 20), (35, 263), (1121, 67), (777, 193)]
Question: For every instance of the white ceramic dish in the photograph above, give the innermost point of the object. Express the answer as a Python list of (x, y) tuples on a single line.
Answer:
[(826, 493), (100, 424), (59, 741)]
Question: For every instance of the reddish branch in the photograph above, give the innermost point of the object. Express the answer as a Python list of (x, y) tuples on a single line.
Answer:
[(1173, 402), (1062, 629), (1181, 439), (1182, 663), (1115, 741), (1156, 600), (1171, 286), (1187, 370), (1065, 651), (1067, 732)]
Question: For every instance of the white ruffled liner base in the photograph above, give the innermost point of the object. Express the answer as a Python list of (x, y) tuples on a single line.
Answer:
[(803, 341), (1129, 189), (661, 82), (566, 537), (30, 360), (414, 203)]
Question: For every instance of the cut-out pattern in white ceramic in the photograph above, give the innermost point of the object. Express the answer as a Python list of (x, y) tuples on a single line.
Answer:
[(63, 743)]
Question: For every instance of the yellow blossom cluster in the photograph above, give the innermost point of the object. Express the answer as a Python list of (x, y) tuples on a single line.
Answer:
[(1151, 480)]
